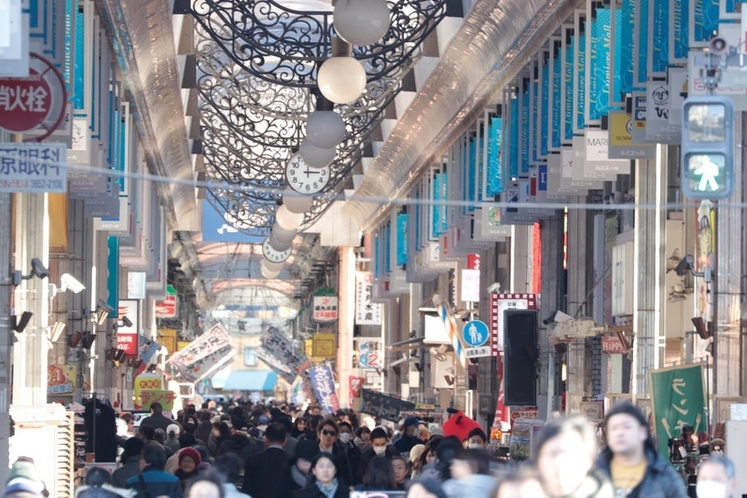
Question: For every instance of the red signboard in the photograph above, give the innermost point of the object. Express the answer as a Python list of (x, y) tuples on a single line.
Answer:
[(24, 102), (167, 307), (36, 101)]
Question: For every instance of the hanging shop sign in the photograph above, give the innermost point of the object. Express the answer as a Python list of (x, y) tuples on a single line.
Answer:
[(325, 306)]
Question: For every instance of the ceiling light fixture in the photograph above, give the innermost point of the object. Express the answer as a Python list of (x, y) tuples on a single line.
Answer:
[(260, 103)]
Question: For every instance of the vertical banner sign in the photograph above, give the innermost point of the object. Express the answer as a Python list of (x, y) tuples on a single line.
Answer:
[(127, 335), (704, 18), (658, 31), (568, 83), (356, 383), (556, 97), (167, 307), (494, 167), (640, 45), (524, 128), (678, 395), (323, 385), (366, 312), (513, 131), (579, 71), (545, 90), (401, 239), (679, 34), (622, 58), (598, 73)]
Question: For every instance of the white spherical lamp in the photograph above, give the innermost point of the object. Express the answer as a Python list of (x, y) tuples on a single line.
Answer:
[(325, 129), (314, 156), (268, 273), (342, 79), (277, 245), (295, 202), (361, 22), (273, 265), (283, 235), (288, 219)]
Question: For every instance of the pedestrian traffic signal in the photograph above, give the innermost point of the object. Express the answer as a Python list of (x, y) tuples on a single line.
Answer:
[(708, 147)]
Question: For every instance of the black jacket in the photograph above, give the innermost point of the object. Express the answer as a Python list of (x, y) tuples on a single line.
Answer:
[(366, 458), (660, 480), (313, 491), (264, 473)]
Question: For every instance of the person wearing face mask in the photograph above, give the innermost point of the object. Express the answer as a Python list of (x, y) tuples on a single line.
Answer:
[(476, 440), (379, 447), (716, 478), (352, 453)]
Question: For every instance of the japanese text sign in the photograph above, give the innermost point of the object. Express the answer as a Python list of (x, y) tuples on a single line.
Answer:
[(27, 167), (383, 406), (678, 396), (324, 388)]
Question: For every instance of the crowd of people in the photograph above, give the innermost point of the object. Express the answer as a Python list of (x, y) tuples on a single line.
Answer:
[(278, 452)]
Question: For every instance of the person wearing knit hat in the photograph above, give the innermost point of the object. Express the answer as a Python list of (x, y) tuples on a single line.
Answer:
[(24, 480), (189, 461)]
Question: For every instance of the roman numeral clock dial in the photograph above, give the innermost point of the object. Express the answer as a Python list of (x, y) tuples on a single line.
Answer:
[(303, 178)]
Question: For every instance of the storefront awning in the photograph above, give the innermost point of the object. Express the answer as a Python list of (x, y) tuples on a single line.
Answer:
[(251, 380)]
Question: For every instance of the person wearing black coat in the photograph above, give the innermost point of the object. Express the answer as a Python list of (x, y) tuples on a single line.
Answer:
[(323, 482), (298, 471), (263, 472)]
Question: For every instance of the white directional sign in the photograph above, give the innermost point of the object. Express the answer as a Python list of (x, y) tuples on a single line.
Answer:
[(33, 167), (480, 352)]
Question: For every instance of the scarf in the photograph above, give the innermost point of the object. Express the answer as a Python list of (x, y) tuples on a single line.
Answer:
[(328, 491), (298, 476)]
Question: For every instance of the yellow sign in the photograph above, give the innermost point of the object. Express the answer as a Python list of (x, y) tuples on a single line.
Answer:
[(146, 382), (324, 345), (61, 379), (168, 337), (620, 123), (150, 396)]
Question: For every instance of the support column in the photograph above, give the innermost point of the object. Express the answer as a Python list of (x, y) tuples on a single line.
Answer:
[(728, 284), (579, 284), (32, 241), (346, 321), (648, 274), (553, 291)]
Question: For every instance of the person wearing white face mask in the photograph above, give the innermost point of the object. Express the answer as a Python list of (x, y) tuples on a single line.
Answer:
[(476, 439), (379, 447), (352, 452), (716, 478)]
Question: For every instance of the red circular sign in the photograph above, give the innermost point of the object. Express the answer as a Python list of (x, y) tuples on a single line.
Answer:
[(24, 102)]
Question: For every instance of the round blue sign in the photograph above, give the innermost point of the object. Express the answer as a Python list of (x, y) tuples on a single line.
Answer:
[(475, 333)]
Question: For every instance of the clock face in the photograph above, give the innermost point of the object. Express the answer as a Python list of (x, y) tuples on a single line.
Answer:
[(274, 255), (303, 178)]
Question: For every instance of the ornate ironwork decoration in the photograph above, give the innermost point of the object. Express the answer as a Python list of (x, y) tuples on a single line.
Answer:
[(256, 72)]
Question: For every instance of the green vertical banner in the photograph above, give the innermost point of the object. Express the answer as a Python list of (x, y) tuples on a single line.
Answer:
[(678, 399)]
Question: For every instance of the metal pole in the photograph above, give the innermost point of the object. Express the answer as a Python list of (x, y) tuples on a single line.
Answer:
[(6, 291)]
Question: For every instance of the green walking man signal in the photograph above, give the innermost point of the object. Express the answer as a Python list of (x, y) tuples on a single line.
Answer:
[(708, 147)]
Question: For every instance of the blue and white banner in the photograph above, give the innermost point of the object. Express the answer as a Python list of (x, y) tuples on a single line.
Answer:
[(659, 33), (494, 184)]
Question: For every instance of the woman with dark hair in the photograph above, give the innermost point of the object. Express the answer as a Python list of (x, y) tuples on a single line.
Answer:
[(98, 485), (298, 470), (427, 456), (379, 476), (439, 468), (221, 433), (363, 438), (401, 470), (323, 481), (299, 427)]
